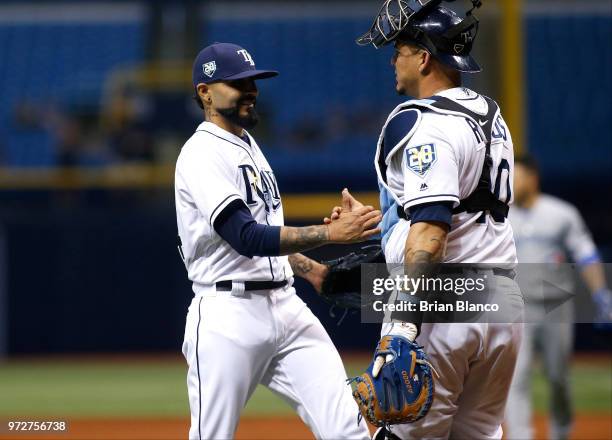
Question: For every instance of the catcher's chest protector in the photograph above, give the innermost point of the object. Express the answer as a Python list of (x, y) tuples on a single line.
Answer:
[(483, 197)]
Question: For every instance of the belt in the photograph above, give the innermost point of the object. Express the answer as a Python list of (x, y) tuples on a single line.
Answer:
[(508, 273), (226, 286)]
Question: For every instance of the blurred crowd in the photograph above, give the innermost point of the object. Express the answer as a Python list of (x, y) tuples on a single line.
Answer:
[(136, 126)]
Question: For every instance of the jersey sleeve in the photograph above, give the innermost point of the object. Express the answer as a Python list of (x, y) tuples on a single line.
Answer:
[(210, 179), (578, 241), (430, 170), (236, 225)]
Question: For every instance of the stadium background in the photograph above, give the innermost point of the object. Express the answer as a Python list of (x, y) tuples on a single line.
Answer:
[(95, 104)]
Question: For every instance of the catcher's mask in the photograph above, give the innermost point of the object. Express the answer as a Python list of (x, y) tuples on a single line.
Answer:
[(439, 30)]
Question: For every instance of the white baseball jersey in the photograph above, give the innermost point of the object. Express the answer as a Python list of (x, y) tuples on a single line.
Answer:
[(431, 151), (213, 169), (271, 334), (441, 159)]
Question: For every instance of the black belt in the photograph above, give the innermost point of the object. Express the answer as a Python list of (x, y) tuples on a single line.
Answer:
[(225, 286), (508, 273)]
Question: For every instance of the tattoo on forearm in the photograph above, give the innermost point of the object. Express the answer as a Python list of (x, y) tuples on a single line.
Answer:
[(420, 262), (423, 253), (422, 257), (437, 239), (294, 240), (300, 264), (433, 254)]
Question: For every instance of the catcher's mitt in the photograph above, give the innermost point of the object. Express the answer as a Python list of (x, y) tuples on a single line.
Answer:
[(342, 284), (403, 390)]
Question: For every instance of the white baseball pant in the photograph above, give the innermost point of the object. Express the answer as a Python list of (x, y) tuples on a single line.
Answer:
[(235, 341)]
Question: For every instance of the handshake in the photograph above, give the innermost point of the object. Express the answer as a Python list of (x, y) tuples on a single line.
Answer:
[(352, 222)]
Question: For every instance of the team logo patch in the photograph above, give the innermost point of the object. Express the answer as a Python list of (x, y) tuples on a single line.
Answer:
[(209, 68), (420, 159)]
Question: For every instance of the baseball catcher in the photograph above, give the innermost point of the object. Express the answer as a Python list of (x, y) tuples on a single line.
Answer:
[(444, 162)]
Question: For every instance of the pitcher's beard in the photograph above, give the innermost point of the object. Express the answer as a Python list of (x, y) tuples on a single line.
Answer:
[(233, 115)]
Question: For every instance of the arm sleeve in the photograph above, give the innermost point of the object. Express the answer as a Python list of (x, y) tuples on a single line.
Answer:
[(236, 225), (578, 240), (210, 179), (441, 212), (431, 172)]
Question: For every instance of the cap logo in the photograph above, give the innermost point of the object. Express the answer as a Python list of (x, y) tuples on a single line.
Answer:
[(458, 48), (209, 68), (247, 56), (467, 37)]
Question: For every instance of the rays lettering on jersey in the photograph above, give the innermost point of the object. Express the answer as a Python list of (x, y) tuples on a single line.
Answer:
[(267, 192)]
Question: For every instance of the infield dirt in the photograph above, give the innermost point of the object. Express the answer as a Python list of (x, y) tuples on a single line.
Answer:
[(588, 427)]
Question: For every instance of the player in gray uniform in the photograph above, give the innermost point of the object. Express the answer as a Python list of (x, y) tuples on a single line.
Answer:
[(549, 230)]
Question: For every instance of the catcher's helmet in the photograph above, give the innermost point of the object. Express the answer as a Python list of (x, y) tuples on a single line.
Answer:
[(439, 30)]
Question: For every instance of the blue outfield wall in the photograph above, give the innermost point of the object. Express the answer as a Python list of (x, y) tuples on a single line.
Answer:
[(99, 271)]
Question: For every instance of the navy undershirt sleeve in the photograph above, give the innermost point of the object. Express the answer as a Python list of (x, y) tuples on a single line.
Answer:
[(441, 212), (236, 225)]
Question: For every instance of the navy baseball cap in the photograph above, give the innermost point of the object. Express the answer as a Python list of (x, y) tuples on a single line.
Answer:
[(226, 62)]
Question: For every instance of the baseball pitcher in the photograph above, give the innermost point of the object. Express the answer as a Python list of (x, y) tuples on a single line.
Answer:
[(246, 325)]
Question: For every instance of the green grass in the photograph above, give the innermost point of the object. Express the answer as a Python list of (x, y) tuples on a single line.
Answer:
[(158, 389), (93, 389), (591, 389)]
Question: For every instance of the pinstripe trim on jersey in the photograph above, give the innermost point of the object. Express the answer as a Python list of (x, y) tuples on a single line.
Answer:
[(468, 99), (233, 143), (198, 368), (271, 269), (428, 199), (269, 258), (223, 204)]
